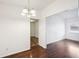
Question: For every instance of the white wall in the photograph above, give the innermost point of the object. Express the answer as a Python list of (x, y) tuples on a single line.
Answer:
[(37, 28), (42, 40), (73, 35), (34, 29), (55, 28), (56, 7), (57, 24), (14, 31)]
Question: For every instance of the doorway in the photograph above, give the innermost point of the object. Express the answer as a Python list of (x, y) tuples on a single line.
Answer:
[(34, 32)]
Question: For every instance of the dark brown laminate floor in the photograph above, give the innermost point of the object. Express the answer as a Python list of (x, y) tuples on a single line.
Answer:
[(35, 52), (34, 41), (61, 49)]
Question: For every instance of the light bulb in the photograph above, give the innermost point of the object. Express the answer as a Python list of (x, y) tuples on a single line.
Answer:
[(25, 11), (23, 14), (32, 20), (32, 11), (33, 14)]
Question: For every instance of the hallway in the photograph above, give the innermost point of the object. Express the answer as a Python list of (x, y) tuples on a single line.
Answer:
[(34, 41)]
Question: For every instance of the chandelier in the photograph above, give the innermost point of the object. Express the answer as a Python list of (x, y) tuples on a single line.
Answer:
[(28, 11)]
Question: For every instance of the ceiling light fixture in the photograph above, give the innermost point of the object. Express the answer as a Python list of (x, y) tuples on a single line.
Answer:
[(32, 20), (28, 11)]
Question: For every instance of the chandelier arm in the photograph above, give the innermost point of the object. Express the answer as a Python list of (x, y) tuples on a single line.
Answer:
[(28, 10)]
